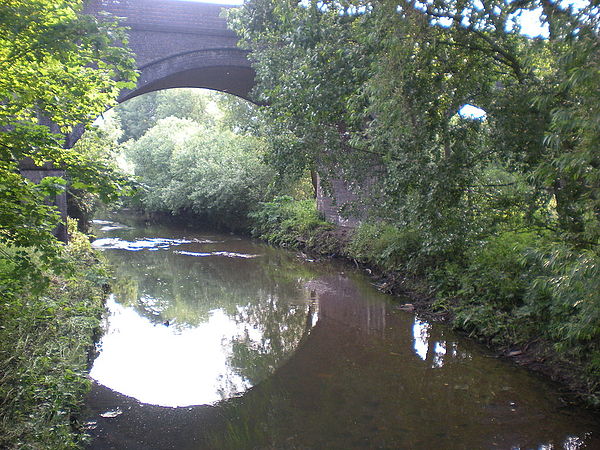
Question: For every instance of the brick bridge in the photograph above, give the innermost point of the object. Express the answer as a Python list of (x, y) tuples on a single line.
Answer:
[(180, 44), (186, 44), (183, 44)]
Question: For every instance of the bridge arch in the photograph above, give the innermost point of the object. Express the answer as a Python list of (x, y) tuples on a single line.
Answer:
[(221, 69)]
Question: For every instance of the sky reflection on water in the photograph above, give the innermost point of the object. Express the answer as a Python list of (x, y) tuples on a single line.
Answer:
[(179, 334), (164, 365)]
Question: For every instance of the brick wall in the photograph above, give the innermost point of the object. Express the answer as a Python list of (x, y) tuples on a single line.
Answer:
[(164, 13), (332, 206), (162, 28)]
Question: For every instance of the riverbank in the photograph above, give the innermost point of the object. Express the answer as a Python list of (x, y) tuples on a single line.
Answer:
[(46, 337), (496, 295)]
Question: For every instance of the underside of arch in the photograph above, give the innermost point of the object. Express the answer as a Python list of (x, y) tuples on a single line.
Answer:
[(225, 70)]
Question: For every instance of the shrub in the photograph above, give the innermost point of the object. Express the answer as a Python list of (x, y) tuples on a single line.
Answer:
[(518, 287), (216, 175), (285, 221), (567, 297), (387, 247), (492, 286)]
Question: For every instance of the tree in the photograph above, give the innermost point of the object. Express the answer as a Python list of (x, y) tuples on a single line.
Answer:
[(141, 113), (311, 64), (60, 68), (208, 171), (375, 89), (152, 157)]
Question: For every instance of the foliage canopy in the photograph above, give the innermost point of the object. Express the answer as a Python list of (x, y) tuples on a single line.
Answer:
[(59, 69), (501, 211), (197, 154)]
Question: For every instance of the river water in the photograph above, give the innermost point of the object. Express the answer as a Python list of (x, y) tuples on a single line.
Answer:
[(213, 341)]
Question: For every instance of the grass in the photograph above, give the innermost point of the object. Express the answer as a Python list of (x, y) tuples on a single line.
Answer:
[(46, 333)]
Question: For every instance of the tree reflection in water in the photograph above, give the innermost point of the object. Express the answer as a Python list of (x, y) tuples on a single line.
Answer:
[(263, 298)]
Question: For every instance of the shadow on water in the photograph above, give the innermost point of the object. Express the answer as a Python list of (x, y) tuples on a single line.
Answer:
[(309, 356)]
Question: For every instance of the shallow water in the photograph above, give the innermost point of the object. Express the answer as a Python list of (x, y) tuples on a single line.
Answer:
[(214, 341)]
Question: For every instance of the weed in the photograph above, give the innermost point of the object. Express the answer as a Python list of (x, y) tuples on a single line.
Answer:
[(45, 337)]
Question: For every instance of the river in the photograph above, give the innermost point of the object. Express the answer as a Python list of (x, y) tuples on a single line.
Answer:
[(213, 341)]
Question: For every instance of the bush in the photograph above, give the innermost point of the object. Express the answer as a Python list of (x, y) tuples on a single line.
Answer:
[(218, 176), (386, 247), (492, 285), (520, 287), (499, 270), (285, 221), (567, 297)]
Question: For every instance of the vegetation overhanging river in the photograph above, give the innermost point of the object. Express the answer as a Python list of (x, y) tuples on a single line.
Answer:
[(216, 341)]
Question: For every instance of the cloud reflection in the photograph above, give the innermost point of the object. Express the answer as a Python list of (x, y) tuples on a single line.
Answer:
[(163, 365), (437, 352)]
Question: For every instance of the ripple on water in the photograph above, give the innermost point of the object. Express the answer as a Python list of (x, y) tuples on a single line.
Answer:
[(137, 245), (226, 254)]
